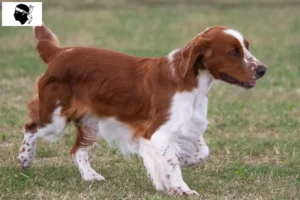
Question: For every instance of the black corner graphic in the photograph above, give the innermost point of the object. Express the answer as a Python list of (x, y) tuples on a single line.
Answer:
[(23, 13)]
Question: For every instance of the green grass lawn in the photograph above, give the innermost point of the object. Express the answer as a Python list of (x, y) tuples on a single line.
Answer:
[(253, 135)]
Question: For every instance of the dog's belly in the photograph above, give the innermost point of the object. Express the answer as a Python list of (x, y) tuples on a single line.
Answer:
[(118, 135)]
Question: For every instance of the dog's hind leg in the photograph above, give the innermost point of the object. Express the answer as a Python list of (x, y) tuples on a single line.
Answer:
[(47, 120), (32, 131), (87, 129)]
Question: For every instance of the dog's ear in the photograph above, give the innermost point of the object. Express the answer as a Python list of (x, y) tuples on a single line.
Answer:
[(189, 55)]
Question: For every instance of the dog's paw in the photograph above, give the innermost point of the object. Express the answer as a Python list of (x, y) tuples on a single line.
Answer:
[(181, 192), (26, 155), (91, 175), (25, 161)]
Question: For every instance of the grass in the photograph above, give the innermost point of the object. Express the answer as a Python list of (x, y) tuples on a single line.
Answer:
[(253, 135)]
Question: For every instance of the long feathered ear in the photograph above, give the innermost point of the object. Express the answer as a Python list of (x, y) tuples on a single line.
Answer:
[(190, 54)]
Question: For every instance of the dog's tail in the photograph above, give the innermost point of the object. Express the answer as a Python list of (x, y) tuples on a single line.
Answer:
[(47, 43)]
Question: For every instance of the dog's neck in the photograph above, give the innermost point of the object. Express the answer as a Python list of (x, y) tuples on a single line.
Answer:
[(205, 81)]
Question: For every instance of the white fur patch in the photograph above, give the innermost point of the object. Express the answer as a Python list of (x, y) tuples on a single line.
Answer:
[(170, 59), (118, 134), (189, 106), (248, 57), (153, 163), (54, 130), (237, 35)]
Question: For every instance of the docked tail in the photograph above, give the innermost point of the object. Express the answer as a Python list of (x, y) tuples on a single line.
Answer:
[(47, 43)]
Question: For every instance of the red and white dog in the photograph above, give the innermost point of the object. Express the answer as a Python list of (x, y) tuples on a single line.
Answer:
[(154, 107)]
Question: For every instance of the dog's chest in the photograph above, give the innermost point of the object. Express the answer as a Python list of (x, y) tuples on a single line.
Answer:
[(188, 113), (188, 116)]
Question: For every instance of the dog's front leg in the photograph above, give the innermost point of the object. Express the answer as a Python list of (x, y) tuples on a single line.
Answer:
[(192, 151), (163, 166)]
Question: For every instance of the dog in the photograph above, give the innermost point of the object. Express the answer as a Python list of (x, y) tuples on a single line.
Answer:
[(153, 107)]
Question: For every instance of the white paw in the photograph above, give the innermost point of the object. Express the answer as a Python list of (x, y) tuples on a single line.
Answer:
[(26, 155), (91, 175), (192, 192), (178, 191)]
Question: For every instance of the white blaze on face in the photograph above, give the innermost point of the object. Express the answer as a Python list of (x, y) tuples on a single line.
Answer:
[(248, 57)]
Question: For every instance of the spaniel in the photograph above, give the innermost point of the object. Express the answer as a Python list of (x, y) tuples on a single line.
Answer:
[(153, 107)]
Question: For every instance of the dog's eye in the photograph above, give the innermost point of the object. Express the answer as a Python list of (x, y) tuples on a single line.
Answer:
[(234, 52)]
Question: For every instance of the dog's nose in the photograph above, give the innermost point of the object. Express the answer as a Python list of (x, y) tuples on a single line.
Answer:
[(261, 70)]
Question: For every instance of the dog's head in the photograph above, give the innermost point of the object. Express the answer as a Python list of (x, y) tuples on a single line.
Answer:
[(225, 54)]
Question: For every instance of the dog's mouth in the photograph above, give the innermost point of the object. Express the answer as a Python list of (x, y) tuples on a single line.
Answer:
[(230, 80)]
